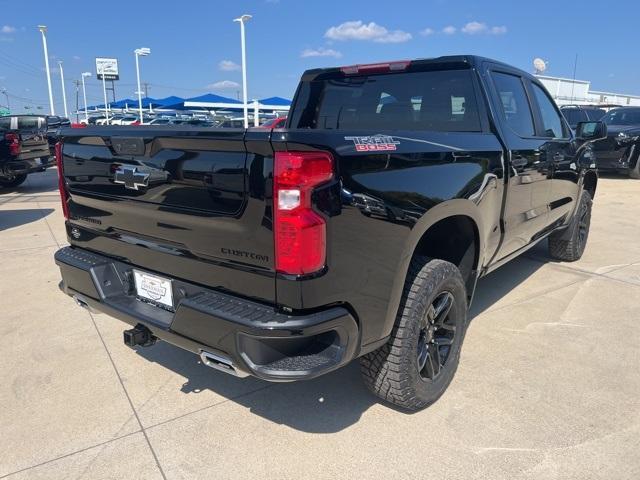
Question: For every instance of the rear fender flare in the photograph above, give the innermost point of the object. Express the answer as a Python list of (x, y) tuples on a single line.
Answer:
[(441, 211)]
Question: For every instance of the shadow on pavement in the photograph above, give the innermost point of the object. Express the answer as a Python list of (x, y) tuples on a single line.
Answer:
[(498, 283), (327, 404), (15, 218)]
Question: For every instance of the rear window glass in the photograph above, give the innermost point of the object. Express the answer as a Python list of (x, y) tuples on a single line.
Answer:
[(438, 100), (28, 123), (5, 123)]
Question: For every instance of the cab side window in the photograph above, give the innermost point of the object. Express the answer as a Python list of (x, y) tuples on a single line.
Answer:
[(515, 104), (551, 120)]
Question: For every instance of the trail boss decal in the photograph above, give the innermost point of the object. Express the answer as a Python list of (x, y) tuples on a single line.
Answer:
[(374, 143)]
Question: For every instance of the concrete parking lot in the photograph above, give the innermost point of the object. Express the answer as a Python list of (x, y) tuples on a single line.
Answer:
[(548, 386)]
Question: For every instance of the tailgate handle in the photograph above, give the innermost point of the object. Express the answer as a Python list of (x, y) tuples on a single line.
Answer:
[(128, 145)]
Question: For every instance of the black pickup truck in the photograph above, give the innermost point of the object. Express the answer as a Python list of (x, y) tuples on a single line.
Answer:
[(24, 148), (358, 231)]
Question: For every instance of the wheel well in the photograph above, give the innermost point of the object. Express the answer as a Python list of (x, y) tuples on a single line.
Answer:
[(590, 183), (454, 239)]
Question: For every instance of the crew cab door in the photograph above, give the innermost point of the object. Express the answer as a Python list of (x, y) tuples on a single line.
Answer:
[(526, 211), (560, 152)]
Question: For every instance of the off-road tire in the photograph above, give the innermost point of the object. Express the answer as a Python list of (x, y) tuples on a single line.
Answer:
[(12, 182), (391, 372), (568, 245)]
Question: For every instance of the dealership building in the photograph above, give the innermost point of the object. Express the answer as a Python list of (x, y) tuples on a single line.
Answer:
[(566, 91)]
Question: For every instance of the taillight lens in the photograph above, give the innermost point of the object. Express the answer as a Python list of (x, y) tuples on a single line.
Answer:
[(62, 186), (300, 232), (13, 141)]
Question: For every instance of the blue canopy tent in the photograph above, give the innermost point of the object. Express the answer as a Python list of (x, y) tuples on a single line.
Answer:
[(212, 101)]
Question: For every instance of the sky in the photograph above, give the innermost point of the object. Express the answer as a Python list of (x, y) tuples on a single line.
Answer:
[(195, 45)]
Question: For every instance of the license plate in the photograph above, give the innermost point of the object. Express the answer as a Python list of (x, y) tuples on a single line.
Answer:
[(154, 288)]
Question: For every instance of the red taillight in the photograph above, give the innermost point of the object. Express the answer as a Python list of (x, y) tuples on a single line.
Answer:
[(78, 125), (376, 67), (62, 186), (300, 232), (15, 146)]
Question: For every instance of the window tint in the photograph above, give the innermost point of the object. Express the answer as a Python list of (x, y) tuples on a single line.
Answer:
[(551, 120), (574, 115), (28, 123), (5, 123), (622, 116), (438, 100), (515, 105), (595, 113)]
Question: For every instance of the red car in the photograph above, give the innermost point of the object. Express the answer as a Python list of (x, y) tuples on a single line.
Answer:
[(277, 122)]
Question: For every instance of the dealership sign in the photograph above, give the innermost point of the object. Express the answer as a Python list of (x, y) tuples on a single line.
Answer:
[(107, 68)]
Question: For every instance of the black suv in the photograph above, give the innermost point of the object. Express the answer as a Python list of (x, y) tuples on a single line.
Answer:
[(575, 114), (620, 150)]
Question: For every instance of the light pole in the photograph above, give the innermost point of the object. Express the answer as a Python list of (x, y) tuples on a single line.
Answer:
[(242, 20), (64, 93), (106, 107), (84, 96), (43, 31), (4, 90), (140, 52)]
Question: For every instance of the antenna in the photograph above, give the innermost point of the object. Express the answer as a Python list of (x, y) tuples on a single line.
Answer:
[(540, 65)]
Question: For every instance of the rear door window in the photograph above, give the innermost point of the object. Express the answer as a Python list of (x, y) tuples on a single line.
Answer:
[(516, 110), (5, 123), (436, 100)]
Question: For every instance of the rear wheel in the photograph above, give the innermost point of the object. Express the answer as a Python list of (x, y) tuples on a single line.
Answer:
[(13, 181), (568, 245), (414, 368)]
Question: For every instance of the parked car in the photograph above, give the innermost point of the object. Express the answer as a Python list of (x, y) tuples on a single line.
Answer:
[(278, 122), (581, 113), (24, 148), (129, 120), (116, 119), (160, 121), (250, 249), (233, 123), (619, 152)]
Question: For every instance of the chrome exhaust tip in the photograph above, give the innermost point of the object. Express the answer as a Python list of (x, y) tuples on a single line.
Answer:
[(82, 302), (220, 363)]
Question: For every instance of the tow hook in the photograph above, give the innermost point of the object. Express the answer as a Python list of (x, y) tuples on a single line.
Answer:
[(139, 335)]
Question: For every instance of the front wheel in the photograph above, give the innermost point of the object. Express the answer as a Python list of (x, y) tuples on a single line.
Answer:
[(568, 245), (414, 368), (13, 181)]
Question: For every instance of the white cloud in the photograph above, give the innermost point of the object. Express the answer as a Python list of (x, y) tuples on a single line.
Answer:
[(320, 52), (358, 30), (223, 85), (476, 28), (8, 29), (228, 66), (427, 31), (449, 30), (77, 58)]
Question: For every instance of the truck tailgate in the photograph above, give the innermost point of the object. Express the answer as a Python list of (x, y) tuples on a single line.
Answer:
[(174, 201)]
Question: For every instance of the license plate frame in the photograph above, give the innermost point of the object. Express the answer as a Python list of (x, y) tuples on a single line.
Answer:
[(154, 289)]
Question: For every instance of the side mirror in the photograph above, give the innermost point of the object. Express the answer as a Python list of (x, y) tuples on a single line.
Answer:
[(591, 131)]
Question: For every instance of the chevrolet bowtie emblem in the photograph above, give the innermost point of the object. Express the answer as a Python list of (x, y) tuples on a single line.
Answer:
[(131, 178)]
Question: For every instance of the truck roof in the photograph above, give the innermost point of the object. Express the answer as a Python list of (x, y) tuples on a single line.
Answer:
[(447, 61)]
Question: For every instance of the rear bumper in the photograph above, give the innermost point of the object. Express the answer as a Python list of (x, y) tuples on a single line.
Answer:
[(257, 339), (19, 167)]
